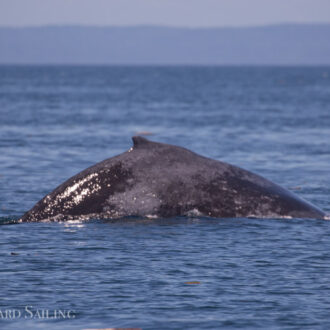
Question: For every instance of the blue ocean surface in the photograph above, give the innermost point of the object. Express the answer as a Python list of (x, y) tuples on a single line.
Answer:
[(178, 273)]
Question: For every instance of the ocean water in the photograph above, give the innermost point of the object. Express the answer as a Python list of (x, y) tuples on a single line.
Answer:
[(178, 273)]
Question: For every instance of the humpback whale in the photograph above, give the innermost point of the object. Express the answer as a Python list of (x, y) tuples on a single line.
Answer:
[(160, 180)]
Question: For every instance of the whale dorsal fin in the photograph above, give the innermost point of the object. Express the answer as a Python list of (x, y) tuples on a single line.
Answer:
[(139, 141)]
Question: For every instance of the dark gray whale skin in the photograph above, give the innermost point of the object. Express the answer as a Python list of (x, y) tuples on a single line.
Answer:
[(160, 180)]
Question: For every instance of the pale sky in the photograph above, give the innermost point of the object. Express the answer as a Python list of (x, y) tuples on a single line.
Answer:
[(190, 13)]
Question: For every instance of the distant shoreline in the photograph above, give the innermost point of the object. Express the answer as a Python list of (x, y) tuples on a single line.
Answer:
[(279, 44)]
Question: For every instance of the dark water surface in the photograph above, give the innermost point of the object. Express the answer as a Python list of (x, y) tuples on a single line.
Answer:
[(266, 274)]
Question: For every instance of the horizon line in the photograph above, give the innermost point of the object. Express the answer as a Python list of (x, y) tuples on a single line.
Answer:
[(146, 25), (167, 65)]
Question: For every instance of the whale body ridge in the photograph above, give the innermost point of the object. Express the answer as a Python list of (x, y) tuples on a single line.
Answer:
[(155, 179)]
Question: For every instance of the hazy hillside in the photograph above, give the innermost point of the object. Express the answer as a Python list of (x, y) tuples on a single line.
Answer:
[(280, 44)]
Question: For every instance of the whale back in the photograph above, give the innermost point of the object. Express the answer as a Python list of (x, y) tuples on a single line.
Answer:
[(160, 180)]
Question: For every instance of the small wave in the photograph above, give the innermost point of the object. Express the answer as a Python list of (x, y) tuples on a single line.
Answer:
[(327, 217), (275, 216)]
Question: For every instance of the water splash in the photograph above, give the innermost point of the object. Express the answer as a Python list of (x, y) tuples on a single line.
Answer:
[(10, 220)]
